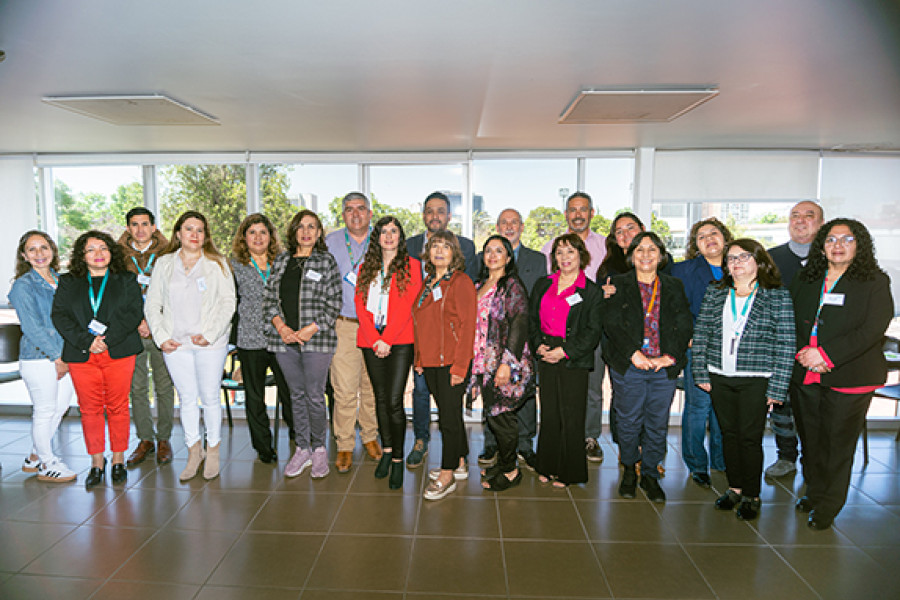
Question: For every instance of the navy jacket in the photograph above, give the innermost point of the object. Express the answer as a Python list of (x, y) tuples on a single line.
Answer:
[(696, 275)]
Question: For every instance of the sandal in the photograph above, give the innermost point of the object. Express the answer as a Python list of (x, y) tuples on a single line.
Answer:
[(500, 482)]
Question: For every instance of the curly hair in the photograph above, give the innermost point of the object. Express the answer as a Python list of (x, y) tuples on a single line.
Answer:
[(692, 250), (373, 260), (575, 241), (22, 265), (663, 255), (78, 266), (239, 248), (458, 261), (864, 266), (209, 248), (767, 274), (294, 225)]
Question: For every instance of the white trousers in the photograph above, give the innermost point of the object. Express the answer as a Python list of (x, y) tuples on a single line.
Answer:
[(197, 375), (50, 398)]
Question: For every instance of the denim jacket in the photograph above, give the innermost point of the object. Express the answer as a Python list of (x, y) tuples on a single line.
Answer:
[(32, 297)]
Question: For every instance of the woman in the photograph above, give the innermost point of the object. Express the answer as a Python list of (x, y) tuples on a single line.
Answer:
[(842, 302), (647, 332), (254, 248), (97, 310), (190, 304), (444, 318), (502, 370), (702, 266), (388, 286), (742, 356), (564, 323), (302, 302), (40, 352)]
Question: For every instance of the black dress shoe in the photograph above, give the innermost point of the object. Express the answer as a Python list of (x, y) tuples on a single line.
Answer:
[(727, 501), (95, 476), (396, 480), (384, 465), (818, 521), (701, 479), (267, 457), (119, 474), (748, 509), (628, 485), (804, 504), (650, 485)]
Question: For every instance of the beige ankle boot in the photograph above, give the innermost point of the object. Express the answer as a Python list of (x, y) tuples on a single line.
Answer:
[(211, 466), (195, 457)]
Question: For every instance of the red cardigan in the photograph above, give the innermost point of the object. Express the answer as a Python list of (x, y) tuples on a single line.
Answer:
[(445, 330), (399, 329)]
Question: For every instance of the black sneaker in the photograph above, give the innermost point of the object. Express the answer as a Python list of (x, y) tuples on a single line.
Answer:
[(628, 484), (650, 485), (488, 457), (701, 479), (727, 501), (593, 450), (749, 509), (528, 460)]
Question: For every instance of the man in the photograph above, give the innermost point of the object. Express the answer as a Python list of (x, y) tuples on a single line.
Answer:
[(436, 216), (579, 212), (531, 266), (354, 400), (142, 243), (805, 220)]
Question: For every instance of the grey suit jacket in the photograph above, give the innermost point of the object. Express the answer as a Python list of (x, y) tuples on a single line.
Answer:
[(416, 243)]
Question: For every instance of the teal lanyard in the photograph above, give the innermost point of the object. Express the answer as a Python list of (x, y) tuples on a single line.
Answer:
[(822, 292), (98, 299), (265, 276), (149, 266), (739, 324), (365, 245)]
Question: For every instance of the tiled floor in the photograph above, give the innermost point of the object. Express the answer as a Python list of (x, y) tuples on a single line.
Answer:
[(253, 534)]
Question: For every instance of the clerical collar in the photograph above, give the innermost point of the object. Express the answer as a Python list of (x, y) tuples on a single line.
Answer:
[(801, 250)]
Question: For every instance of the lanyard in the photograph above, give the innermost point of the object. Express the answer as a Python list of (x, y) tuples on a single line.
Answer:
[(649, 310), (96, 301), (149, 266), (265, 276), (740, 322), (822, 292), (354, 264)]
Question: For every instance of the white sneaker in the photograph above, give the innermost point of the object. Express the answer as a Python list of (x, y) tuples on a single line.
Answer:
[(56, 471), (459, 473), (31, 466), (780, 468)]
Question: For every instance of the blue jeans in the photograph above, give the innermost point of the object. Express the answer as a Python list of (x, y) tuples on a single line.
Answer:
[(698, 411), (643, 400), (421, 405)]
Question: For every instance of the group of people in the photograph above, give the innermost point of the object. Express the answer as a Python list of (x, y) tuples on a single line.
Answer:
[(364, 306)]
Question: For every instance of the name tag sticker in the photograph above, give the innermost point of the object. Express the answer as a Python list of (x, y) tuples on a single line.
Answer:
[(143, 279), (313, 275), (833, 299), (350, 278), (96, 327), (201, 284), (437, 293), (574, 299)]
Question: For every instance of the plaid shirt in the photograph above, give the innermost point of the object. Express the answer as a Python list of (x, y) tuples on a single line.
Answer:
[(766, 346), (320, 301)]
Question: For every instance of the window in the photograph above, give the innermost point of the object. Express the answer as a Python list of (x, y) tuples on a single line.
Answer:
[(400, 190)]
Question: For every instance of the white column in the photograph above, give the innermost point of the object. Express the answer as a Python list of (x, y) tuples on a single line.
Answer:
[(19, 210), (643, 183)]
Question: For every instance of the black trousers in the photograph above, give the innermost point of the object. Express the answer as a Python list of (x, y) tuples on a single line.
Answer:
[(449, 400), (829, 424), (389, 376), (254, 364), (505, 427), (526, 416), (560, 447), (741, 408)]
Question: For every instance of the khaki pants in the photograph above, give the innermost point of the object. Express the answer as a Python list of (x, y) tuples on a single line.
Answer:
[(354, 400)]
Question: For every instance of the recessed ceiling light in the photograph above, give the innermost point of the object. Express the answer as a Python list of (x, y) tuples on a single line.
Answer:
[(634, 105), (152, 109)]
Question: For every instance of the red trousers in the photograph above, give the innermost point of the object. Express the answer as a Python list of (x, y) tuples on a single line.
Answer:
[(103, 383)]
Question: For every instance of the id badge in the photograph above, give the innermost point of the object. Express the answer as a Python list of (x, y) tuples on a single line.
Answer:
[(437, 293), (201, 284), (350, 278), (143, 279), (313, 275), (96, 327), (833, 299), (574, 299)]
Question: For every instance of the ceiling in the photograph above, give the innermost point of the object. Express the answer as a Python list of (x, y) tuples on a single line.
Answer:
[(362, 76)]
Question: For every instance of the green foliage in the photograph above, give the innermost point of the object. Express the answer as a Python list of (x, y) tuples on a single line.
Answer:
[(542, 225), (661, 228), (274, 184), (77, 213), (600, 224), (769, 218)]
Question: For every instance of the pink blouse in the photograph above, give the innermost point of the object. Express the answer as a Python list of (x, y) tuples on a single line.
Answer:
[(555, 306), (481, 330)]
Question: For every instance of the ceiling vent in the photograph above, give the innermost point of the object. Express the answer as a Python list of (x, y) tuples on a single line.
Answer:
[(634, 105), (153, 109)]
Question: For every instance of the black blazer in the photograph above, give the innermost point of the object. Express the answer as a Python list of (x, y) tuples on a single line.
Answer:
[(122, 310), (624, 323), (852, 335), (416, 244), (582, 325)]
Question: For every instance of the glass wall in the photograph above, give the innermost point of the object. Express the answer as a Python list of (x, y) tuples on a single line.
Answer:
[(400, 190), (319, 187)]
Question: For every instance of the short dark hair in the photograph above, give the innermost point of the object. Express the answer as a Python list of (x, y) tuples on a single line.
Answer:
[(294, 225), (439, 196), (584, 195), (663, 256), (137, 211), (574, 240), (77, 264), (767, 275)]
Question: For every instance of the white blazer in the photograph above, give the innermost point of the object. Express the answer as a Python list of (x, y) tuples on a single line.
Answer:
[(218, 301)]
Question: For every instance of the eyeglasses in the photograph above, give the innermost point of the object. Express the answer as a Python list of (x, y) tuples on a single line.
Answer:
[(843, 240), (739, 258)]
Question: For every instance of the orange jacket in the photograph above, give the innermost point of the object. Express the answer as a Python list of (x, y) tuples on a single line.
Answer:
[(399, 329), (445, 330)]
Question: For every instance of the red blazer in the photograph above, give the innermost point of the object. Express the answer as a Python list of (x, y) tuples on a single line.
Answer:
[(445, 330), (399, 329)]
